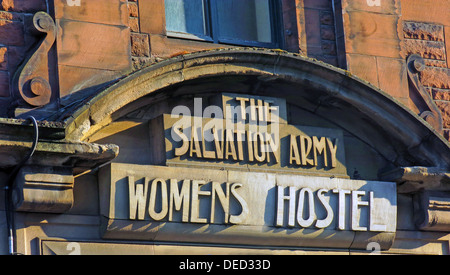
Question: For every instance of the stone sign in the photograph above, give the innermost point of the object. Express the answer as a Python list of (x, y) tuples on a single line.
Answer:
[(247, 133), (234, 207)]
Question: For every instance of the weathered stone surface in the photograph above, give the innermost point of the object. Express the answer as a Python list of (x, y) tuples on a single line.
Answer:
[(140, 45), (393, 77), (363, 66), (423, 31), (44, 189), (426, 49), (133, 23), (444, 106), (99, 11), (152, 16), (414, 10), (440, 94), (96, 46), (133, 9), (372, 34), (436, 77), (413, 179)]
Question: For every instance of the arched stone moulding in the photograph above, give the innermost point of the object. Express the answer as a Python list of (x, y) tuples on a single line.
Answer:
[(313, 85)]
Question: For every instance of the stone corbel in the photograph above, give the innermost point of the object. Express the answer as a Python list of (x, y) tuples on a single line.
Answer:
[(427, 108), (43, 189), (413, 179), (45, 182), (432, 211)]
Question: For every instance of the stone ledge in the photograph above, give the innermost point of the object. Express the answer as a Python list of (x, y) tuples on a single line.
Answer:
[(413, 179)]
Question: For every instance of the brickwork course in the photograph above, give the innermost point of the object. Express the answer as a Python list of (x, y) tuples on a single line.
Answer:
[(103, 40)]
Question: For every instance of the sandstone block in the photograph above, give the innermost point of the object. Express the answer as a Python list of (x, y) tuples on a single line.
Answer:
[(426, 49), (436, 77), (140, 46), (423, 31), (444, 106)]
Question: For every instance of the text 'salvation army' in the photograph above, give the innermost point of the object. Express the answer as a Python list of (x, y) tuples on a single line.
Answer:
[(249, 133)]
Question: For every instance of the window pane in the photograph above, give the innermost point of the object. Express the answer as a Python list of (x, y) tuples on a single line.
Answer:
[(244, 20), (186, 16)]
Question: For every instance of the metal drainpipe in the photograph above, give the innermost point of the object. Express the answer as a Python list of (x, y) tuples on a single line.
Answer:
[(9, 207)]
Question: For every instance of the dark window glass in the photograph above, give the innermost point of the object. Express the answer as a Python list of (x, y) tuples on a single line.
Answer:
[(247, 20), (186, 16), (241, 22)]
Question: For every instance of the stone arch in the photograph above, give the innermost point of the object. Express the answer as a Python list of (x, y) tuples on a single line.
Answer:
[(392, 129)]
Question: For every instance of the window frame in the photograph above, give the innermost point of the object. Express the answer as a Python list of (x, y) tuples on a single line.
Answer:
[(212, 28)]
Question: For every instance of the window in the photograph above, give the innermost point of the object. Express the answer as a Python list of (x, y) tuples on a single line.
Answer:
[(239, 22)]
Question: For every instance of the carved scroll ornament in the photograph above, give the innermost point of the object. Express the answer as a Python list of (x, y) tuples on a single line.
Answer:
[(32, 79), (428, 109)]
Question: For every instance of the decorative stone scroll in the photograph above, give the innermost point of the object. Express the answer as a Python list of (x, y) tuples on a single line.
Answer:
[(32, 79), (428, 109)]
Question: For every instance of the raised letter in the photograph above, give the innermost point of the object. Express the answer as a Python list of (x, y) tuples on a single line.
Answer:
[(355, 205), (306, 146), (262, 147), (372, 225), (138, 198), (294, 155), (272, 147), (195, 143), (164, 202), (333, 149), (342, 193), (280, 206), (224, 200), (219, 142), (250, 146), (195, 210), (241, 218), (230, 147), (179, 198), (301, 203), (320, 148), (330, 215), (242, 100)]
